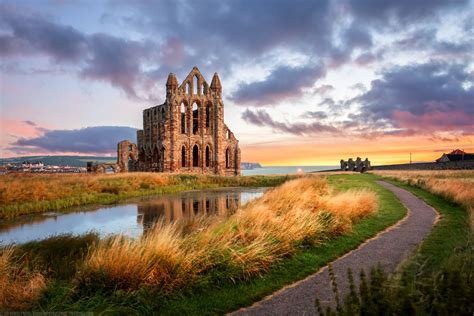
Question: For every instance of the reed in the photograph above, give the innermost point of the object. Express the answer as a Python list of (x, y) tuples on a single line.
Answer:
[(299, 212), (20, 288), (454, 185)]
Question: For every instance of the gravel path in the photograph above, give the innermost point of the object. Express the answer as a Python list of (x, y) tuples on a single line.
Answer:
[(389, 248)]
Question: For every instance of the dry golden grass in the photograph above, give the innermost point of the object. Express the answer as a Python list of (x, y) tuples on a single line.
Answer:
[(18, 288), (17, 188), (455, 185), (302, 211)]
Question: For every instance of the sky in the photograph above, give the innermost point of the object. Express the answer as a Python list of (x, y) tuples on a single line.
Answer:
[(304, 82)]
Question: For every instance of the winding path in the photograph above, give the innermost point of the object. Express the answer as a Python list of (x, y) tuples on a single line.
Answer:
[(389, 248)]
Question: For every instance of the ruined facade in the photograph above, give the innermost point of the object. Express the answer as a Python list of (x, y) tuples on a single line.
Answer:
[(358, 165), (186, 133)]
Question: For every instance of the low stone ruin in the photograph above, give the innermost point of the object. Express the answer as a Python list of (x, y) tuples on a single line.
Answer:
[(358, 165)]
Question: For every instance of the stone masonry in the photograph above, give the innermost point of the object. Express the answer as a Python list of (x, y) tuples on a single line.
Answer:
[(185, 134)]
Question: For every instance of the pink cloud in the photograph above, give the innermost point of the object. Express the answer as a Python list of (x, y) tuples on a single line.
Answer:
[(18, 128), (435, 121)]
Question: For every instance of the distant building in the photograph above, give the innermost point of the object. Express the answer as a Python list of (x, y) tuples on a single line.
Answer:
[(32, 164), (455, 155)]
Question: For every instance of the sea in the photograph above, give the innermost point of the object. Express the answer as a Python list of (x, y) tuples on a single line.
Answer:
[(285, 170)]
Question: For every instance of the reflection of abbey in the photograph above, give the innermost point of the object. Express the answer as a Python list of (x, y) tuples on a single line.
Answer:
[(190, 205), (186, 133)]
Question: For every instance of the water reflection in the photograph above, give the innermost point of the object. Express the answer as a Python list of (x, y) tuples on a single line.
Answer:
[(133, 218), (190, 205)]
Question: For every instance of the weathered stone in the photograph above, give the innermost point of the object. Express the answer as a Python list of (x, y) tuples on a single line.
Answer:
[(350, 165), (127, 156), (186, 134), (367, 164), (358, 164), (343, 165)]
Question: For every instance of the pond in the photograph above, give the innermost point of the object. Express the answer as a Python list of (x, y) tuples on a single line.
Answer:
[(130, 218)]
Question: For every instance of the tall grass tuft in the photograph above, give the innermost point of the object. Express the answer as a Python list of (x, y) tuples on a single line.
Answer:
[(454, 185), (298, 213), (19, 287)]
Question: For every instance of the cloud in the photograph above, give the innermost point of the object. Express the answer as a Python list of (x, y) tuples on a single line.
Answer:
[(262, 118), (367, 58), (97, 139), (320, 115), (425, 39), (394, 13), (116, 60), (97, 56), (323, 89), (434, 95), (282, 83), (31, 123), (33, 34), (220, 36)]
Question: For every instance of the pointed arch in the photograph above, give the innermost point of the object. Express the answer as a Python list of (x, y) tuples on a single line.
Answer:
[(183, 156), (208, 115), (196, 88), (195, 156), (183, 118), (195, 118), (189, 88), (208, 156)]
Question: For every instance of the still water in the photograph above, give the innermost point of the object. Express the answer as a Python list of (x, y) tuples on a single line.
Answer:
[(286, 170), (132, 218)]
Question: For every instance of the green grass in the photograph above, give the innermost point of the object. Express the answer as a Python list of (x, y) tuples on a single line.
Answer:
[(212, 298), (450, 236)]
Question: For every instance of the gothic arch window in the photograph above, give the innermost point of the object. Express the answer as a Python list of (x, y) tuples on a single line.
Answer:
[(227, 158), (195, 156), (183, 157), (208, 157), (208, 115), (195, 118), (183, 118), (196, 85), (188, 88)]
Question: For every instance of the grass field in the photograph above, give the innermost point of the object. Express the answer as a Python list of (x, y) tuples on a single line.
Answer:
[(22, 194), (287, 234)]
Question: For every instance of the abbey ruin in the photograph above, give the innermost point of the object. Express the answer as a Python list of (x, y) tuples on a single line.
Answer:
[(185, 134)]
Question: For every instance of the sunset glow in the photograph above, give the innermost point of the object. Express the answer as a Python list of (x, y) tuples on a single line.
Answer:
[(303, 84)]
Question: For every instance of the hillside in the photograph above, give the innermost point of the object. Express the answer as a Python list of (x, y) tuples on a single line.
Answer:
[(80, 161), (76, 161)]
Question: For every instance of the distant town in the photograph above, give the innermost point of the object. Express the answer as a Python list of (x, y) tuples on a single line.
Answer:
[(65, 164)]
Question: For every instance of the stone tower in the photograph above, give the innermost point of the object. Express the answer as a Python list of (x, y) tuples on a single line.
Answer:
[(187, 133)]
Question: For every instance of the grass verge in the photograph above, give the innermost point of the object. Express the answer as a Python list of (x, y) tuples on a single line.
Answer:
[(450, 236)]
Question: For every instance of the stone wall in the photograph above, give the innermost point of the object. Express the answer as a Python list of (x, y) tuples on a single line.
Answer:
[(450, 165)]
